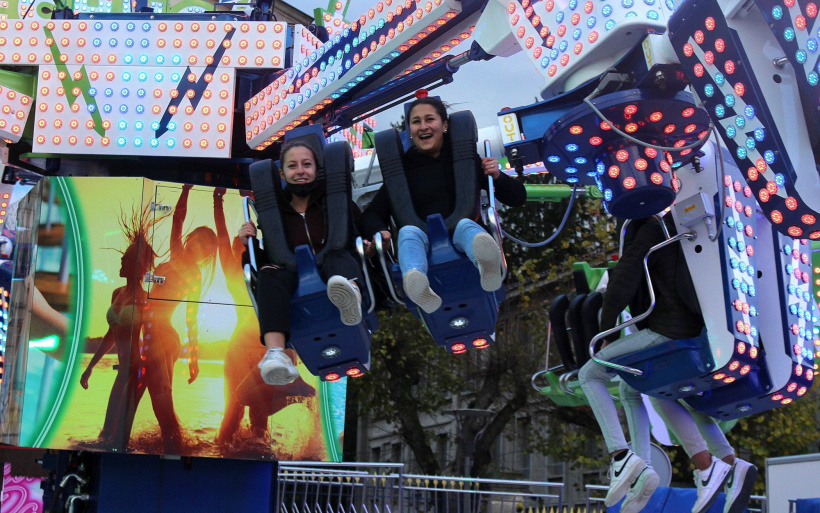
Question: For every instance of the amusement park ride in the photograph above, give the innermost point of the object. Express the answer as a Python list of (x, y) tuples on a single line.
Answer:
[(707, 108)]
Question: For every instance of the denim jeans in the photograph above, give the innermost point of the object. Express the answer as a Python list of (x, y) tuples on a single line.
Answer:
[(594, 377), (696, 431), (413, 244)]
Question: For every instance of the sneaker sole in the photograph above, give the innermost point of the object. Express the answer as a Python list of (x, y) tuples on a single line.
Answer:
[(738, 506), (488, 257), (417, 288), (640, 501), (614, 495), (278, 376), (714, 497), (344, 298)]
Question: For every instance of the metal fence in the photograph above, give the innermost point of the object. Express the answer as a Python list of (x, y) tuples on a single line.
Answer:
[(596, 494), (309, 487)]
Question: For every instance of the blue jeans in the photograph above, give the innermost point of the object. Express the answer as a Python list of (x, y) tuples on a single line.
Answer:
[(594, 377), (413, 244)]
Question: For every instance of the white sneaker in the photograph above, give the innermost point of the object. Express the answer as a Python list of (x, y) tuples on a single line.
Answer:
[(277, 368), (417, 288), (347, 299), (709, 483), (739, 486), (488, 258), (640, 491), (622, 473)]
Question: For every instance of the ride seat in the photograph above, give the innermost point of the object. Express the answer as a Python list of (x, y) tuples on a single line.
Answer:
[(557, 315), (328, 348), (468, 314), (675, 369)]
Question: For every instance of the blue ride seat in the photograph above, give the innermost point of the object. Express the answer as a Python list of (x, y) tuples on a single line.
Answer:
[(675, 369), (328, 348), (468, 313)]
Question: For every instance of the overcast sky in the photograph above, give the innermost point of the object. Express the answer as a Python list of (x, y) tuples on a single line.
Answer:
[(483, 87)]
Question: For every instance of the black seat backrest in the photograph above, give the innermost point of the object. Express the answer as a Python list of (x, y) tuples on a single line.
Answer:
[(576, 325), (591, 326), (267, 190), (464, 137), (557, 312)]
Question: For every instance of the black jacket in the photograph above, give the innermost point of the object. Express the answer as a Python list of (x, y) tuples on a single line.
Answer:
[(671, 316), (431, 183)]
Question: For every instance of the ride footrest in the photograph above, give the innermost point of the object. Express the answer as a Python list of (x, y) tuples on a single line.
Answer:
[(675, 369), (467, 316), (329, 349)]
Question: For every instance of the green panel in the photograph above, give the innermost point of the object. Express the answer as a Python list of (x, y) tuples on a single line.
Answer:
[(21, 82)]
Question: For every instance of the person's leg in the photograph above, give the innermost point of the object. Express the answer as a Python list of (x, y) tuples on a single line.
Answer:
[(683, 427), (482, 250), (626, 466), (710, 431), (413, 246), (742, 477), (711, 473), (637, 420), (274, 289), (345, 285), (594, 377)]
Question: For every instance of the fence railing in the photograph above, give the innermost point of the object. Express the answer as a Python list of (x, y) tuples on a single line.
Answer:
[(310, 487)]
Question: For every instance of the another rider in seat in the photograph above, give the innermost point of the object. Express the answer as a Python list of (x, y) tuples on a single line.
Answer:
[(304, 216), (430, 177), (630, 474)]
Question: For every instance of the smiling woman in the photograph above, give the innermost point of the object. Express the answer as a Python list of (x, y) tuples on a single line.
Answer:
[(431, 182)]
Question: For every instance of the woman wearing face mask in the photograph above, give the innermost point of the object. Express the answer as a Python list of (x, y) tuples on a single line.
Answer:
[(428, 168), (304, 219)]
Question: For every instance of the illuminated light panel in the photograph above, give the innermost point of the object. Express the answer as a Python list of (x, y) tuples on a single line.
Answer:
[(304, 43), (463, 36), (136, 111), (744, 122), (635, 186), (794, 25), (570, 35), (798, 309), (737, 245), (340, 66), (15, 108), (576, 144), (7, 8), (332, 18), (143, 43)]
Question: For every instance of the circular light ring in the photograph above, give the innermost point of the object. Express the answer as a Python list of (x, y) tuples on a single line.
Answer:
[(580, 126), (639, 187)]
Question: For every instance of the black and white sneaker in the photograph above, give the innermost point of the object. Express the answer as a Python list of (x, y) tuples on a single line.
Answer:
[(709, 483), (739, 486), (640, 491), (622, 473)]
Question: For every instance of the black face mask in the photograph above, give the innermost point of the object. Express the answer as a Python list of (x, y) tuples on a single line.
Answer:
[(301, 189)]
